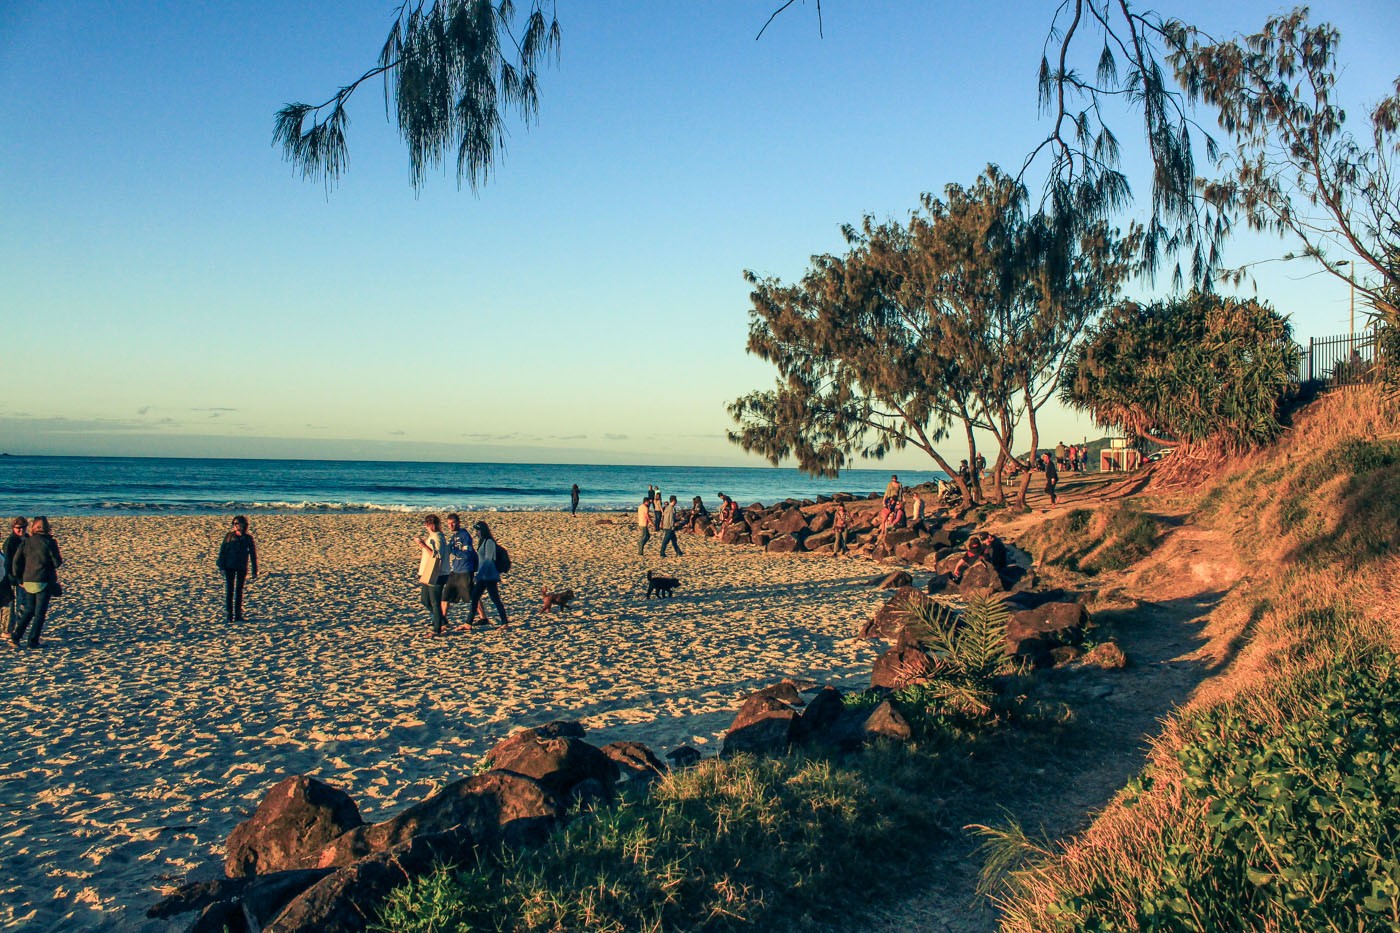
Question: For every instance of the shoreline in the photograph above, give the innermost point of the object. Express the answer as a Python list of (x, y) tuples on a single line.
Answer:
[(148, 727)]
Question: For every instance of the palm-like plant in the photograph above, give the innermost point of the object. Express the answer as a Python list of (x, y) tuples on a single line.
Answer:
[(967, 650)]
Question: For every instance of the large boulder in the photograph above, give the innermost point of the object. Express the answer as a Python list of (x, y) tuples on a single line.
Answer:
[(819, 715), (898, 536), (914, 552), (295, 820), (791, 521), (820, 540), (820, 522), (347, 900), (558, 760), (498, 806), (857, 727), (889, 620), (893, 581), (635, 762), (784, 690), (980, 578), (785, 544), (248, 902), (900, 666), (1042, 622), (764, 726), (735, 534)]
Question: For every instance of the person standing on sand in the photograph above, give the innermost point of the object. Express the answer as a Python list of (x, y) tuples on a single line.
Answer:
[(893, 489), (916, 514), (1052, 476), (36, 566), (573, 500), (645, 521), (840, 521), (668, 528), (237, 554), (432, 570), (461, 568), (488, 575), (10, 588)]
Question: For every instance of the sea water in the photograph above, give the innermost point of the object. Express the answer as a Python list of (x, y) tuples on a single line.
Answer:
[(149, 485)]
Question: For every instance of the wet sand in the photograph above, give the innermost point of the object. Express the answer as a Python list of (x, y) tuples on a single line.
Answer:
[(147, 727)]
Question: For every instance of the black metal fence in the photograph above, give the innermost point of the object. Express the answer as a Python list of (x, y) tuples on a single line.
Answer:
[(1328, 362)]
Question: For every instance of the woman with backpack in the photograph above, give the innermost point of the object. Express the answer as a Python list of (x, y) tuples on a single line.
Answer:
[(236, 555), (492, 561)]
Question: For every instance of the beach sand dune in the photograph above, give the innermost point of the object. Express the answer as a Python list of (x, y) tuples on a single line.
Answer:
[(147, 728)]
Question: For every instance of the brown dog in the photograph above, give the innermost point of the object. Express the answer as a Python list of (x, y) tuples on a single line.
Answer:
[(561, 599)]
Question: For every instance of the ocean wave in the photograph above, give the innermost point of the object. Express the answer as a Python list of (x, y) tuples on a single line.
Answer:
[(276, 507)]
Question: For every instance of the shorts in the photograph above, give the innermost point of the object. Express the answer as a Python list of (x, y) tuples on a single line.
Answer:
[(458, 588)]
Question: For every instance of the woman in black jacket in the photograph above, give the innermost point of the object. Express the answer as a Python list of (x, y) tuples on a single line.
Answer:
[(9, 585), (236, 554), (35, 565)]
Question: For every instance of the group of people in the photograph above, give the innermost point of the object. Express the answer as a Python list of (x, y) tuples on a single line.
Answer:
[(1072, 459), (29, 581), (660, 516), (452, 570)]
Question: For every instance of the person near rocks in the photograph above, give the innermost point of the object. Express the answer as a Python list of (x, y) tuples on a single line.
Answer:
[(461, 568), (891, 517), (697, 512), (980, 465), (9, 584), (893, 489), (646, 521), (238, 559), (917, 513), (841, 522), (1052, 475), (36, 564), (976, 550), (432, 570), (488, 574), (965, 473), (668, 528), (727, 513), (573, 499)]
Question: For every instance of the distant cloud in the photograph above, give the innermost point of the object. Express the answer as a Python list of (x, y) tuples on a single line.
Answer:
[(214, 408), (568, 437), (143, 410), (615, 437), (396, 433)]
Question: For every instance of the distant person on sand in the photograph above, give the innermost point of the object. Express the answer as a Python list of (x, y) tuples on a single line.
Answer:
[(36, 567), (893, 488), (668, 528), (573, 500), (10, 584), (1052, 475), (432, 570), (645, 521), (237, 555), (697, 512), (1061, 455), (841, 522), (461, 568), (488, 574)]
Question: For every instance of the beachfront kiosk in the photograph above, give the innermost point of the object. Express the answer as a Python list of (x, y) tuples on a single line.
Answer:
[(1119, 457)]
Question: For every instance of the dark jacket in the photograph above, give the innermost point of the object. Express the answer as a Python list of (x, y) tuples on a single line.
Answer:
[(12, 546), (38, 560), (237, 551)]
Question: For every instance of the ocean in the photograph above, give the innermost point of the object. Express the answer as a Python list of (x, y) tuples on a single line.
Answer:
[(164, 486)]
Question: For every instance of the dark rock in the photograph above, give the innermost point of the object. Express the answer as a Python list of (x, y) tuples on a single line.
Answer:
[(1040, 623), (940, 538), (293, 823), (1063, 654), (890, 618), (857, 727), (257, 898), (785, 690), (785, 544), (764, 726), (820, 540), (556, 761), (893, 581), (820, 714), (683, 757), (634, 760), (588, 793), (819, 522), (1017, 579), (790, 521), (1106, 656), (493, 807), (901, 666), (347, 900), (843, 497), (980, 579), (762, 538), (914, 552), (735, 534), (823, 498), (220, 917), (937, 583), (200, 894)]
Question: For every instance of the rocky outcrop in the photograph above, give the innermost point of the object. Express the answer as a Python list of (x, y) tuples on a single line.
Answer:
[(889, 620), (292, 824), (900, 666), (764, 726), (1043, 622), (893, 581), (635, 762), (556, 756)]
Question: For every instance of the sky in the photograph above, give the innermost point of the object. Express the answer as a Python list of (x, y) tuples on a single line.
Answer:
[(169, 286)]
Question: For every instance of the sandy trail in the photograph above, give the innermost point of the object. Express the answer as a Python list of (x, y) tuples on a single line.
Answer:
[(147, 727)]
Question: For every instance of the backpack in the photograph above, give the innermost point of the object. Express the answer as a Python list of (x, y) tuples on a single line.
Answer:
[(502, 559)]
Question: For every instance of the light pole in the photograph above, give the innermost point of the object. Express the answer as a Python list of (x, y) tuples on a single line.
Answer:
[(1351, 277)]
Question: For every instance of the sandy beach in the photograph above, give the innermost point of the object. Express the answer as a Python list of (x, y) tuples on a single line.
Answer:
[(147, 727)]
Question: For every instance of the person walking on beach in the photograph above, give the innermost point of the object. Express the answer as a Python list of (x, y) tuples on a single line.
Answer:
[(9, 584), (237, 554), (36, 566), (488, 573), (668, 528), (1052, 475), (645, 521), (461, 568), (432, 569), (573, 500), (840, 521)]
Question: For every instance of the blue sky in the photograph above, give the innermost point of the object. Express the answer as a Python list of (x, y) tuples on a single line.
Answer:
[(169, 286)]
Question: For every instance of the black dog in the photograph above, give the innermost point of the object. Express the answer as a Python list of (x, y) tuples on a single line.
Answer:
[(660, 586)]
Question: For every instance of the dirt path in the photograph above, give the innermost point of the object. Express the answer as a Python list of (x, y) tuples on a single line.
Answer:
[(1053, 782)]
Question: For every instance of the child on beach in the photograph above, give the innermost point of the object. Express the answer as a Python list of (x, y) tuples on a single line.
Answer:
[(237, 554)]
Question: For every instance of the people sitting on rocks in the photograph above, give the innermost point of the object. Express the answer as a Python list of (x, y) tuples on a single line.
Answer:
[(976, 550), (698, 512)]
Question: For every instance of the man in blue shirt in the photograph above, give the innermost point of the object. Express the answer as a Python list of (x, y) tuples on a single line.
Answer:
[(461, 567)]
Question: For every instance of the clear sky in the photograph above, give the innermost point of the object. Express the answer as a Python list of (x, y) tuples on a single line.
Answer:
[(169, 286)]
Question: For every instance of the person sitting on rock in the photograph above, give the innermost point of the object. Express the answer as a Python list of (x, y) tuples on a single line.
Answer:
[(976, 550)]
